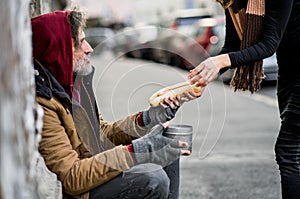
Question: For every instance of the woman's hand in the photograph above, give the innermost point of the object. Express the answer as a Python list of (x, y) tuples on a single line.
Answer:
[(208, 70), (189, 96)]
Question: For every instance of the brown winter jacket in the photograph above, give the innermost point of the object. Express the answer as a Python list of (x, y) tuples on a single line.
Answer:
[(68, 157), (66, 146)]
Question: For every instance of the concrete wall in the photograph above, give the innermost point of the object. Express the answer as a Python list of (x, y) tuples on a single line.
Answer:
[(22, 171), (17, 133)]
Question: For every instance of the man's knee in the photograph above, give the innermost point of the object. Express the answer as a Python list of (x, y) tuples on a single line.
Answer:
[(154, 179), (158, 180)]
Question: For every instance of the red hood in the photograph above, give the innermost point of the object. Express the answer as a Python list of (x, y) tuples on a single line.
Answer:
[(52, 46)]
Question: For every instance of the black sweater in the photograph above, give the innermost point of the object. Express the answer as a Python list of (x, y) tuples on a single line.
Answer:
[(280, 34)]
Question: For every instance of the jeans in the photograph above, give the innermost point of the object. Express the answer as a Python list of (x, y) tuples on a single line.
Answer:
[(287, 147), (144, 181)]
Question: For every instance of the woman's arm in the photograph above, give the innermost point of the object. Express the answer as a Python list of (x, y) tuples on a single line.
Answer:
[(277, 14)]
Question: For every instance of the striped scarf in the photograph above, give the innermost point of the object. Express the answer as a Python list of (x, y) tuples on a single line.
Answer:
[(247, 17)]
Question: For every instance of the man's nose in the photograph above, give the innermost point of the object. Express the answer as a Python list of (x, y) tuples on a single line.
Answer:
[(87, 48)]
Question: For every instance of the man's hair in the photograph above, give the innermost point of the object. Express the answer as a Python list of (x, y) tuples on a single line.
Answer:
[(77, 20)]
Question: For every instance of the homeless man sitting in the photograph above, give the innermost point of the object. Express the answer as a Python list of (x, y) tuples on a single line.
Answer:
[(92, 158)]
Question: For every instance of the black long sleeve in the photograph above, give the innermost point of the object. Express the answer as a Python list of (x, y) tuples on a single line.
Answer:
[(281, 32)]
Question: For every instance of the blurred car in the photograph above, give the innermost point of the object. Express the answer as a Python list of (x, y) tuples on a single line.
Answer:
[(270, 68), (185, 18), (125, 39), (210, 34), (135, 41), (169, 47), (187, 49), (101, 39)]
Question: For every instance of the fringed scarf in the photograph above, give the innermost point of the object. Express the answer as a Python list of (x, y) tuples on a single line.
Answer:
[(247, 17)]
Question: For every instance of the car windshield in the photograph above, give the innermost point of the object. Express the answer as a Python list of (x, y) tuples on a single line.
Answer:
[(185, 24), (198, 31), (219, 30), (187, 21)]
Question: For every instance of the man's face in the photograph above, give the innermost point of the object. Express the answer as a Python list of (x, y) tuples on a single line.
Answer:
[(81, 56)]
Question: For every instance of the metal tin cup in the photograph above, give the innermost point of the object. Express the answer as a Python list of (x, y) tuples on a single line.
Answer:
[(180, 132)]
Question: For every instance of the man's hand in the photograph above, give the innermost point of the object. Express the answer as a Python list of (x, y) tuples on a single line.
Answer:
[(161, 114), (158, 149)]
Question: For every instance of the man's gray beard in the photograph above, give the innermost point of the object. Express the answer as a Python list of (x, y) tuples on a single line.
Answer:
[(82, 67)]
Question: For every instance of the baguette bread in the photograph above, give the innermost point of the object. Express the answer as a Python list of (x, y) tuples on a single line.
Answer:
[(172, 91)]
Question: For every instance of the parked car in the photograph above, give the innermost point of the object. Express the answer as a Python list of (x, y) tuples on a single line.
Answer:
[(270, 68), (135, 41), (101, 39), (169, 47), (125, 40), (200, 40), (185, 18), (209, 34)]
